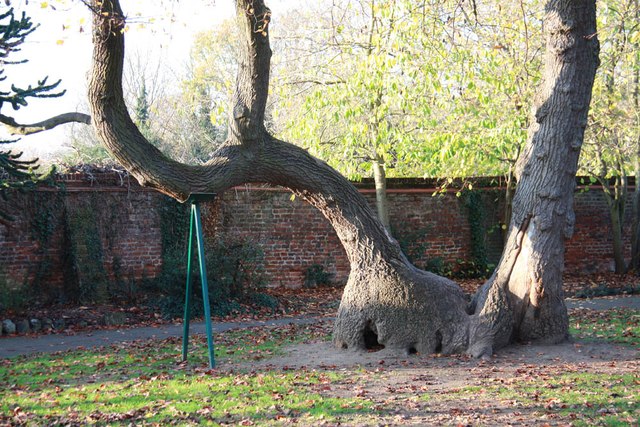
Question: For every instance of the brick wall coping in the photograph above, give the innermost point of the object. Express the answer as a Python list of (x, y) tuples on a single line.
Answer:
[(122, 181)]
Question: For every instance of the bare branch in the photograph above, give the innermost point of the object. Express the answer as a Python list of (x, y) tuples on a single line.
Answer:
[(315, 82), (16, 128)]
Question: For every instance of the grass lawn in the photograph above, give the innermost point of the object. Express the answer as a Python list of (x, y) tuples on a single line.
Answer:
[(145, 383)]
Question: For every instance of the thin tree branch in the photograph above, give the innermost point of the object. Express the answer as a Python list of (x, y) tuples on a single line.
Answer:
[(15, 128)]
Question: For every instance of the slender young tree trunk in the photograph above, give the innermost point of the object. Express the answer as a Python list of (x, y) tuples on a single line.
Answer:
[(634, 263), (382, 205), (616, 237), (508, 201), (523, 300), (616, 201), (617, 211)]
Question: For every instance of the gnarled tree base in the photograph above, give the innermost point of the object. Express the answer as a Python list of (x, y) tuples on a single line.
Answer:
[(402, 308)]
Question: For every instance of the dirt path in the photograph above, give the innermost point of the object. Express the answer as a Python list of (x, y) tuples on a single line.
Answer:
[(20, 345)]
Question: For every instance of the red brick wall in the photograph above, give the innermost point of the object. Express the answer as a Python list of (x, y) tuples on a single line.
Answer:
[(293, 235), (125, 218), (590, 249)]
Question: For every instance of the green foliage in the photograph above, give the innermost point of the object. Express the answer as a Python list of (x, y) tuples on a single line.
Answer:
[(234, 267), (236, 272), (86, 280), (478, 265), (424, 89), (464, 269), (85, 253), (15, 172), (438, 266), (12, 298), (142, 109), (174, 226), (414, 244), (13, 33), (611, 139), (121, 288), (45, 213), (196, 118)]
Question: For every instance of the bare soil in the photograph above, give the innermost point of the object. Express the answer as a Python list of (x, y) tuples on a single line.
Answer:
[(426, 390)]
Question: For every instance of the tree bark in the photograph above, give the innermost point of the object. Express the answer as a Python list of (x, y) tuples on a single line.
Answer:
[(634, 263), (508, 201), (615, 211), (617, 203), (523, 300)]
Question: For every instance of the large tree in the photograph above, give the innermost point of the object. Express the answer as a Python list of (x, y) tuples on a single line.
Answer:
[(387, 301)]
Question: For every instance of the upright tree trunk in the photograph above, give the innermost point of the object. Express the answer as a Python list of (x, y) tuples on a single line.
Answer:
[(380, 181), (616, 201), (620, 265), (508, 201), (634, 263), (523, 300)]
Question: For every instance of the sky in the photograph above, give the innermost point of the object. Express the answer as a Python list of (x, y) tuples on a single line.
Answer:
[(159, 30)]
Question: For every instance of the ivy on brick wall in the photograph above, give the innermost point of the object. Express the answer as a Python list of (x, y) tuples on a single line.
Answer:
[(45, 218), (170, 284), (85, 253), (478, 264), (81, 222)]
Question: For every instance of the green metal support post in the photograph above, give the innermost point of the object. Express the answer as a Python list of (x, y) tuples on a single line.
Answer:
[(196, 223)]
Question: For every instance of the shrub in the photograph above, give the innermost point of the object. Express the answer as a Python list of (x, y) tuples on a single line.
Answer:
[(235, 275), (316, 275), (12, 298)]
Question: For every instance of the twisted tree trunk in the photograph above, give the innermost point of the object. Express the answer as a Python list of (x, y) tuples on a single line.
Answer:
[(387, 301), (523, 300)]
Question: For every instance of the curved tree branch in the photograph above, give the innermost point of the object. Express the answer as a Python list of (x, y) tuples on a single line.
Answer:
[(231, 165), (15, 128)]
